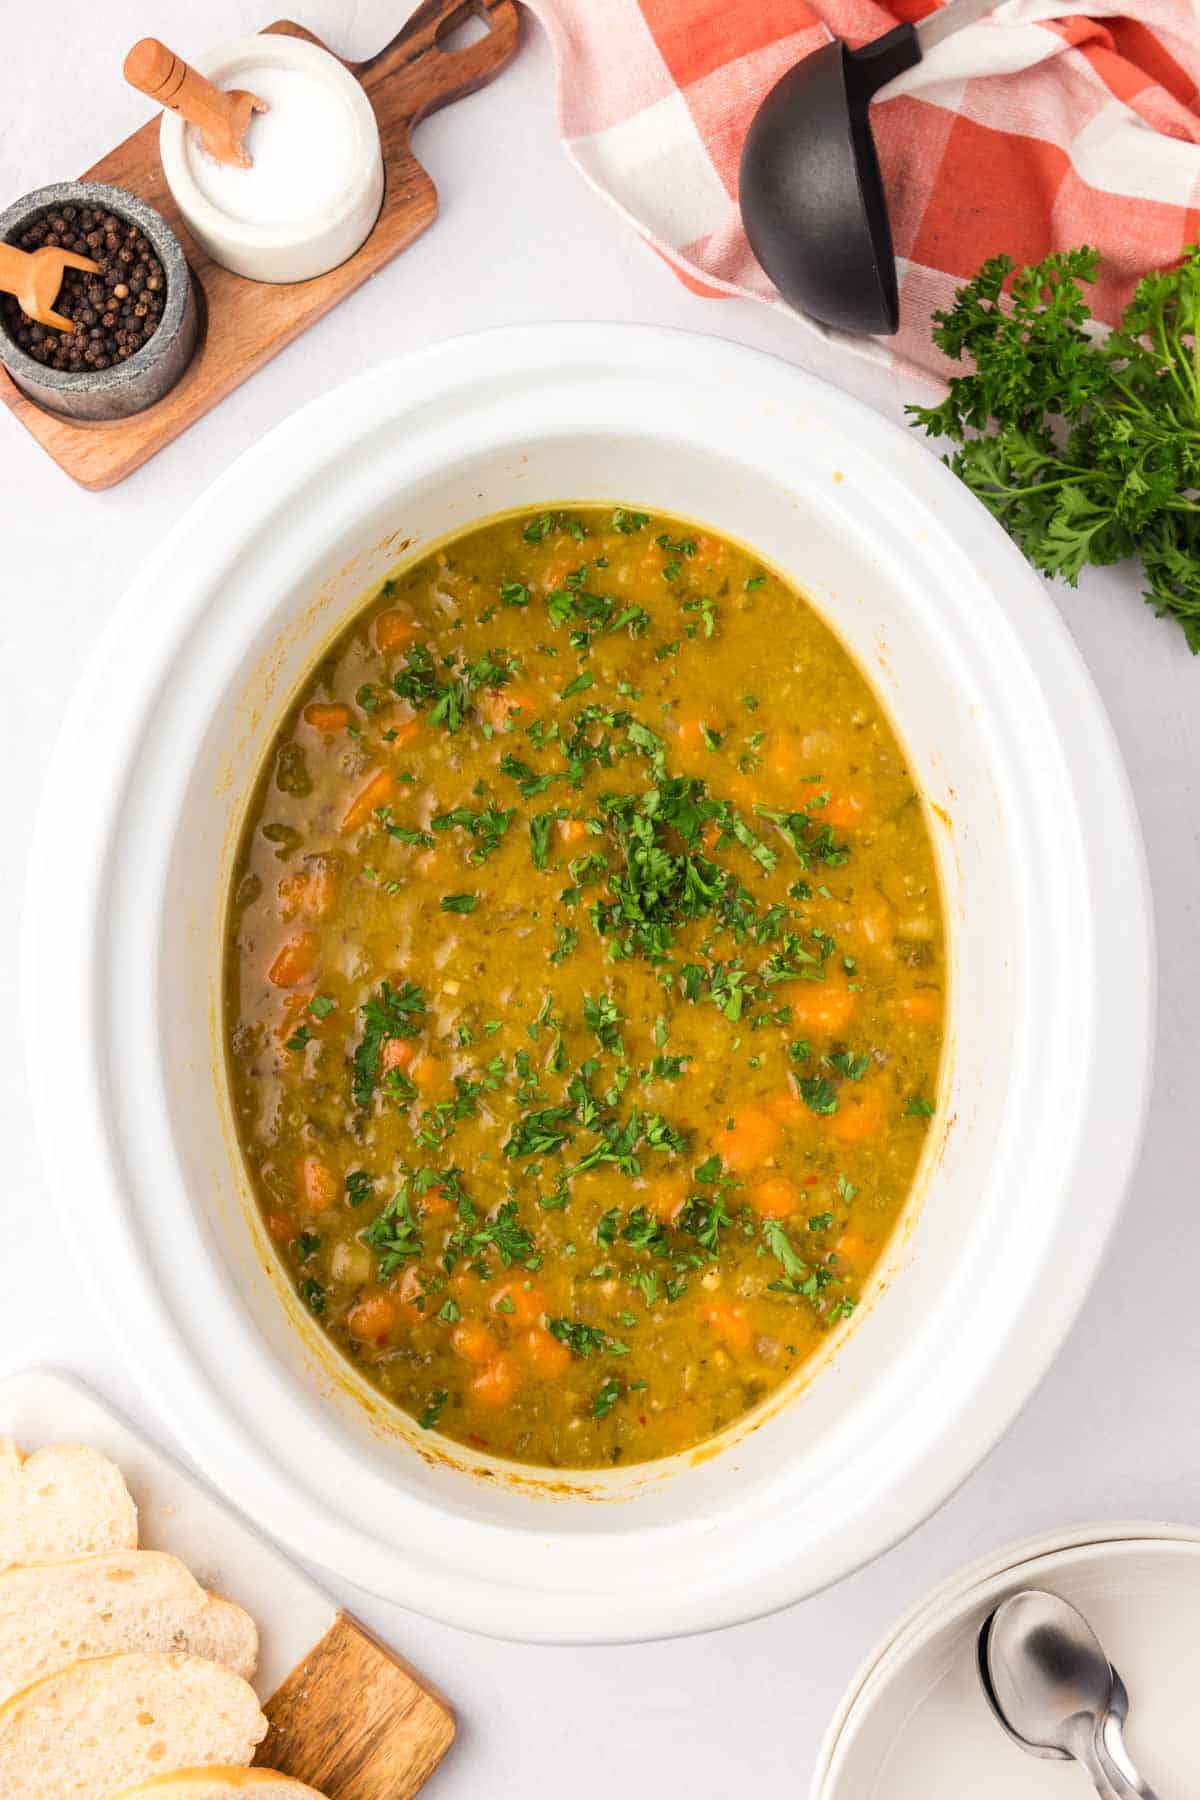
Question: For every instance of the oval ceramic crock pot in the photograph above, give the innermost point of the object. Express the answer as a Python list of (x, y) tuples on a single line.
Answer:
[(1043, 872)]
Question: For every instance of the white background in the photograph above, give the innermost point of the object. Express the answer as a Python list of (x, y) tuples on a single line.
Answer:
[(1115, 1430)]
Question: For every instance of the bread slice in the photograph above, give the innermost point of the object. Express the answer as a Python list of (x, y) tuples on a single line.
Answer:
[(53, 1614), (104, 1725), (221, 1784), (65, 1500)]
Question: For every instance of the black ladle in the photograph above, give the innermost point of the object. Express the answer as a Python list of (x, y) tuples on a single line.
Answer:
[(810, 189)]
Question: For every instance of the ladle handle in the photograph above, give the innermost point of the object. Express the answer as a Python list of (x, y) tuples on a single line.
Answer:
[(954, 16)]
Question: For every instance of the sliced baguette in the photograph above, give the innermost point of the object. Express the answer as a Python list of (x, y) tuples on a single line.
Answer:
[(53, 1614), (104, 1725), (65, 1500), (221, 1784)]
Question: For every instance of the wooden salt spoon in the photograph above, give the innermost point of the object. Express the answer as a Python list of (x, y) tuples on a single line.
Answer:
[(222, 118), (35, 277)]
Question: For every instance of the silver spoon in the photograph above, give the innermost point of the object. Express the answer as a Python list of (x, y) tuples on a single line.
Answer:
[(1055, 1692)]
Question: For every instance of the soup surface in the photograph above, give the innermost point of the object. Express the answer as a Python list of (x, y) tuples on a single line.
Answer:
[(585, 985)]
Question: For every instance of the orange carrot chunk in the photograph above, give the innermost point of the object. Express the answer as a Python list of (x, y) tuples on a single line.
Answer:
[(316, 1183), (327, 717), (774, 1198), (748, 1139), (377, 792), (296, 960), (475, 1343), (520, 1304), (373, 1318), (496, 1384), (826, 1006), (842, 811), (393, 630), (543, 1354), (860, 1116), (730, 1323)]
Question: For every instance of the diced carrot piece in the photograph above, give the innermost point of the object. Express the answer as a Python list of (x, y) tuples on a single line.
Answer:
[(752, 1138), (572, 831), (861, 1114), (730, 1323), (327, 717), (374, 1317), (546, 1357), (474, 1342), (500, 707), (710, 836), (826, 1006), (435, 1204), (393, 630), (923, 1006), (316, 1183), (377, 792), (497, 1383), (281, 1226), (774, 1198), (842, 811), (296, 960), (397, 1053), (309, 892), (523, 1305), (428, 1073)]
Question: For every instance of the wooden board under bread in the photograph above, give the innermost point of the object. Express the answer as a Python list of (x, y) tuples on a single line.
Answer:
[(248, 322), (346, 1713)]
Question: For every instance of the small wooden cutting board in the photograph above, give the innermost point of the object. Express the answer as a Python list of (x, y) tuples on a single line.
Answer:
[(346, 1714), (248, 322)]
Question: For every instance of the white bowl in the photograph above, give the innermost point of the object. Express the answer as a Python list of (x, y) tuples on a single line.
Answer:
[(915, 1721), (310, 239), (1043, 871)]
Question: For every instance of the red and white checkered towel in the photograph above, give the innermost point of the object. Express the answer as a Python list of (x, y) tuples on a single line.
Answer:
[(1041, 127)]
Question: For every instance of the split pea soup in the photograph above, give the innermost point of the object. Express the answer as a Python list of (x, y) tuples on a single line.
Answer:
[(585, 981)]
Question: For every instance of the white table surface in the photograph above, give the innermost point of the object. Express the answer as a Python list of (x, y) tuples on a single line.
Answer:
[(1114, 1432)]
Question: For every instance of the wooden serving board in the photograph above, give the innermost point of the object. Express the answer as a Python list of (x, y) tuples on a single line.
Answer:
[(245, 323), (346, 1713)]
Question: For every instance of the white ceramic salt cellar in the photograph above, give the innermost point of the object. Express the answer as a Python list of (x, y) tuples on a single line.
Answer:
[(315, 184)]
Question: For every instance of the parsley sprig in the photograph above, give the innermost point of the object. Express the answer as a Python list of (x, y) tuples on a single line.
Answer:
[(1086, 448)]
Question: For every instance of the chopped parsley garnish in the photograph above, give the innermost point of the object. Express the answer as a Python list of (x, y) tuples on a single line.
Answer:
[(459, 903), (433, 1409), (818, 1094), (396, 1013), (605, 1397), (917, 1108), (394, 1234)]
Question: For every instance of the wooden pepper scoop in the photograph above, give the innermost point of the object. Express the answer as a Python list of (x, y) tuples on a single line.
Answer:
[(35, 277), (221, 118)]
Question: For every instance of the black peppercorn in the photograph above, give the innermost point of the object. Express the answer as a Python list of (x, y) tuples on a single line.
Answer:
[(114, 311)]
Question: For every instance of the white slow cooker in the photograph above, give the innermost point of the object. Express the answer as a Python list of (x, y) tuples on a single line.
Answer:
[(1047, 905)]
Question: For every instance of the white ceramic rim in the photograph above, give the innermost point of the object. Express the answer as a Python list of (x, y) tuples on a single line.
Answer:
[(60, 967), (1037, 1558), (307, 234)]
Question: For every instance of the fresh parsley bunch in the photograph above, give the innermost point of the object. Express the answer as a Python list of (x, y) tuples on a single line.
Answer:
[(1085, 446)]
